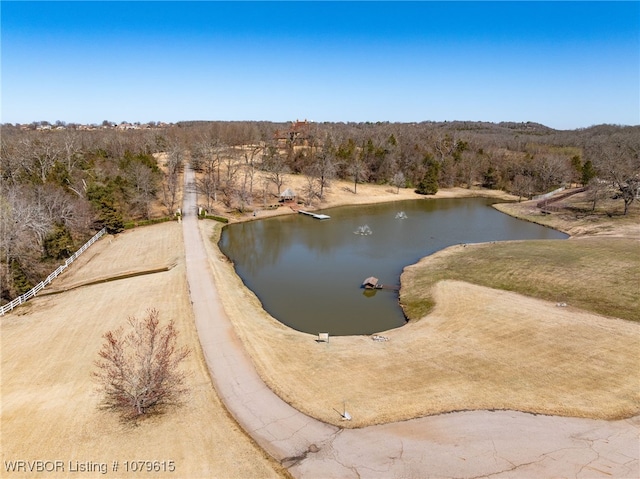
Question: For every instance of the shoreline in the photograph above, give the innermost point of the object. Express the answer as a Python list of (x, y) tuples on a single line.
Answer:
[(383, 377)]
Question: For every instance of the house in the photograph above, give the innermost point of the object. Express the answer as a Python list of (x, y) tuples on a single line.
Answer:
[(298, 134)]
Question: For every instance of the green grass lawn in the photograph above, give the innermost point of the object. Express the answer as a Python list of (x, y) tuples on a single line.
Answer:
[(598, 274)]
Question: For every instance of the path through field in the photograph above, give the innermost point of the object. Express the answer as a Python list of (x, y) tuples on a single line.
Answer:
[(465, 444)]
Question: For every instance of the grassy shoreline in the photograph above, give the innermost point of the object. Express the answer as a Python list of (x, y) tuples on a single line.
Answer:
[(579, 272)]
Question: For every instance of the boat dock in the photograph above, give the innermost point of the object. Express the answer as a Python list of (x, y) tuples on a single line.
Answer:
[(372, 283), (315, 215)]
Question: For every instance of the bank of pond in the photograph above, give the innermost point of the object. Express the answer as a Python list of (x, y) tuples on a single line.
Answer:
[(309, 274)]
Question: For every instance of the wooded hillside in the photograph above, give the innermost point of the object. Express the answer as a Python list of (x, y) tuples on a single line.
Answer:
[(58, 186)]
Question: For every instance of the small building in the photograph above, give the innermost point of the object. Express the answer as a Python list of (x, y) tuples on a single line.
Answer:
[(288, 195), (370, 283)]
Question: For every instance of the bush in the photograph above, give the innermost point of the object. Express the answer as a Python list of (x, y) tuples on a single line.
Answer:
[(139, 369)]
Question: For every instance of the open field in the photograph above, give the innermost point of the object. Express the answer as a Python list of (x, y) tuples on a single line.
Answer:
[(49, 404)]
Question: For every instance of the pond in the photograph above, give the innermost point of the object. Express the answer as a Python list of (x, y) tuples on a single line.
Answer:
[(308, 273)]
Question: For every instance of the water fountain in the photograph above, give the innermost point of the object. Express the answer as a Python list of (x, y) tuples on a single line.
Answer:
[(363, 230)]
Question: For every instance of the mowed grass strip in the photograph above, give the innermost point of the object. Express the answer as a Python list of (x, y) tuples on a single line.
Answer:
[(597, 274)]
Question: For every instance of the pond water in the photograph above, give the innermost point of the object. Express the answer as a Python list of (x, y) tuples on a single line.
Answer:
[(308, 273)]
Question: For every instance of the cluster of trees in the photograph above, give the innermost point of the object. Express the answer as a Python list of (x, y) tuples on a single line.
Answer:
[(57, 187)]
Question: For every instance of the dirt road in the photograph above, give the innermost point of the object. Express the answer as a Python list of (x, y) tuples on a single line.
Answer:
[(465, 444)]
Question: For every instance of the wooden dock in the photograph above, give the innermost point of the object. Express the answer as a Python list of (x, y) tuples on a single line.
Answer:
[(315, 215)]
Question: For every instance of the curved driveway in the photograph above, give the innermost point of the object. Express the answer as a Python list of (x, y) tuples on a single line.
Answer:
[(466, 444)]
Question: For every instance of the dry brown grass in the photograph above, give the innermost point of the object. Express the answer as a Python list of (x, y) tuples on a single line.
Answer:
[(597, 274), (49, 403)]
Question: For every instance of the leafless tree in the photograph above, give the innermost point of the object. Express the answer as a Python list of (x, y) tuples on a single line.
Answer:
[(596, 191), (358, 169), (399, 181), (24, 224), (171, 184), (553, 171), (140, 369), (144, 185), (323, 166), (228, 183), (311, 185), (275, 167), (522, 186), (443, 145), (71, 150), (249, 155), (617, 157), (38, 154)]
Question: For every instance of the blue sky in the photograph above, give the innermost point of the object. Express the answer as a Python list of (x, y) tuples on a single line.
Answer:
[(564, 64)]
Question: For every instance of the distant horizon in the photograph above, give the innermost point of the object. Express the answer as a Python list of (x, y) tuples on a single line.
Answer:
[(157, 122), (564, 65)]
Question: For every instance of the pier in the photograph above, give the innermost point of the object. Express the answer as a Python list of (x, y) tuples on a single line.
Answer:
[(315, 215)]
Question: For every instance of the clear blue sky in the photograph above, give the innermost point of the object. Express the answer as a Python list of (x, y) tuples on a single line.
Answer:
[(566, 65)]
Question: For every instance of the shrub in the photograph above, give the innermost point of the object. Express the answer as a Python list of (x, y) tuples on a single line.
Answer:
[(139, 369)]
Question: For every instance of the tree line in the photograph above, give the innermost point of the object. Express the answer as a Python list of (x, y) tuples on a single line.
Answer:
[(58, 187)]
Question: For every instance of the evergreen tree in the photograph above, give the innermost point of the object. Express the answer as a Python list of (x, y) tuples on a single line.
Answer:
[(588, 172), (429, 183)]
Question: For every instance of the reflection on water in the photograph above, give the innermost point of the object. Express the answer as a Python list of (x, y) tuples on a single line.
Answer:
[(308, 273)]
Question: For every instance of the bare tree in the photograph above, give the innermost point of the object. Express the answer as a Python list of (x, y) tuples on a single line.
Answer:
[(358, 169), (39, 155), (311, 184), (139, 369), (618, 158), (324, 167), (522, 186), (228, 183), (276, 167), (249, 155), (144, 183), (399, 181), (171, 185), (596, 191), (553, 171)]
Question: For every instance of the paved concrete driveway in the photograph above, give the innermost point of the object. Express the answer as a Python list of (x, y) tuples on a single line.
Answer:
[(465, 444)]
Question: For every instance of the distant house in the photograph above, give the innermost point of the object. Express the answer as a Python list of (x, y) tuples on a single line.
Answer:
[(298, 134), (288, 195)]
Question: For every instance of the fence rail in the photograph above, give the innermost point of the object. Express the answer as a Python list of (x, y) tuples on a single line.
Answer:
[(41, 285)]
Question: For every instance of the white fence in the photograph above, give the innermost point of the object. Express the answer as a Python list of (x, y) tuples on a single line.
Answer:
[(40, 286)]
